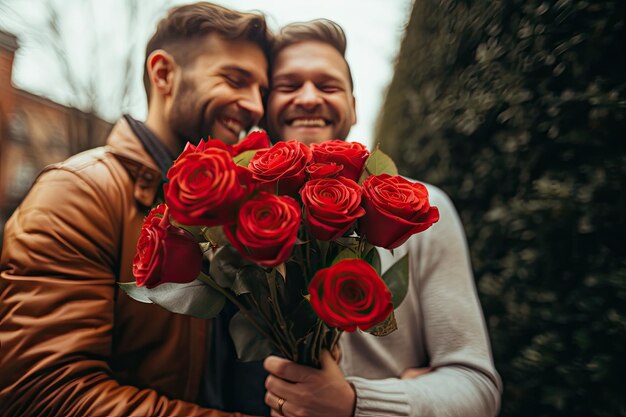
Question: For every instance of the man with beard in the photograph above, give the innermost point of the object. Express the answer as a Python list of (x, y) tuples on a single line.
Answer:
[(440, 323), (73, 343)]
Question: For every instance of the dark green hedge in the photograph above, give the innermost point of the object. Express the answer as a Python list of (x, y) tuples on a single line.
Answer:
[(518, 110)]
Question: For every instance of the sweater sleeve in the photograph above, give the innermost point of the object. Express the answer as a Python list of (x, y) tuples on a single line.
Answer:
[(57, 285), (464, 381)]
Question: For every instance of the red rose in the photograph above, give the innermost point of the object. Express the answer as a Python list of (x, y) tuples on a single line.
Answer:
[(320, 170), (395, 209), (266, 229), (332, 205), (158, 211), (282, 165), (350, 294), (203, 187), (210, 143), (255, 140), (165, 253), (352, 155)]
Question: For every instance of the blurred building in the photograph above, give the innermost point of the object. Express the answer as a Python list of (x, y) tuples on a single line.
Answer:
[(35, 132)]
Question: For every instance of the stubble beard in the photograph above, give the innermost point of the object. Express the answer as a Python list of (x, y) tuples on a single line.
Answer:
[(185, 120)]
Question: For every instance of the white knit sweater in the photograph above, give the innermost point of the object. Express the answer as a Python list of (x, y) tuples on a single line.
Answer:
[(440, 324)]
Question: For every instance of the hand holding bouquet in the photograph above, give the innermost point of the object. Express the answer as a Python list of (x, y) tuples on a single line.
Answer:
[(289, 234)]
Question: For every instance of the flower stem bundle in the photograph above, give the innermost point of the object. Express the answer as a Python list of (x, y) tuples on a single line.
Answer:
[(289, 234)]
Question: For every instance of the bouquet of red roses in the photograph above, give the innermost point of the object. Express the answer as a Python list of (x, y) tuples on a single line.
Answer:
[(289, 234)]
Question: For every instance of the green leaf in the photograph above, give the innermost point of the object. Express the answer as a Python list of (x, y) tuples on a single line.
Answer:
[(135, 292), (249, 343), (243, 159), (397, 279), (196, 231), (251, 279), (215, 235), (373, 258), (225, 264), (289, 289), (282, 271), (378, 163), (323, 246), (302, 319), (347, 253), (347, 242), (194, 299), (386, 327)]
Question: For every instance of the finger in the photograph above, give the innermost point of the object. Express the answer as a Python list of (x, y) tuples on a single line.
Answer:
[(286, 369), (283, 389), (336, 352), (411, 373), (328, 361), (272, 400), (268, 400)]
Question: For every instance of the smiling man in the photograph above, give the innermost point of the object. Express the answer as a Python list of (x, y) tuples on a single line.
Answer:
[(211, 85), (440, 323), (73, 343), (312, 87)]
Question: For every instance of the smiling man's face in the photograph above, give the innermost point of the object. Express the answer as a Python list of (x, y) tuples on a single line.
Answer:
[(311, 96), (220, 93)]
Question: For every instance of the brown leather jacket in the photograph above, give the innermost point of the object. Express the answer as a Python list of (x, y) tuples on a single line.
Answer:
[(72, 343)]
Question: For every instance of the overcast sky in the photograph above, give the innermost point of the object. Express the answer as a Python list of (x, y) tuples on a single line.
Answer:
[(374, 30)]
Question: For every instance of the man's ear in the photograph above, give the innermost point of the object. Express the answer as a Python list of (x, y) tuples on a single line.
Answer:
[(161, 69)]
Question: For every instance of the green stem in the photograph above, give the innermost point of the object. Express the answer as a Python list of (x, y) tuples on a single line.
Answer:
[(361, 247), (314, 347), (321, 342), (211, 283), (308, 260), (300, 260), (288, 337), (268, 320), (335, 340)]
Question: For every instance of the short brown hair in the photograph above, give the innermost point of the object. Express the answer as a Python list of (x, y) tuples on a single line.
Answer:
[(176, 32), (322, 30)]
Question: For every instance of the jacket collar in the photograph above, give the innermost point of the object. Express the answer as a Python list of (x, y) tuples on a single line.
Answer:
[(127, 148)]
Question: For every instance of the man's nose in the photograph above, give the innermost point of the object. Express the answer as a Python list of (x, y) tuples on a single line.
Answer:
[(308, 96), (252, 102)]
